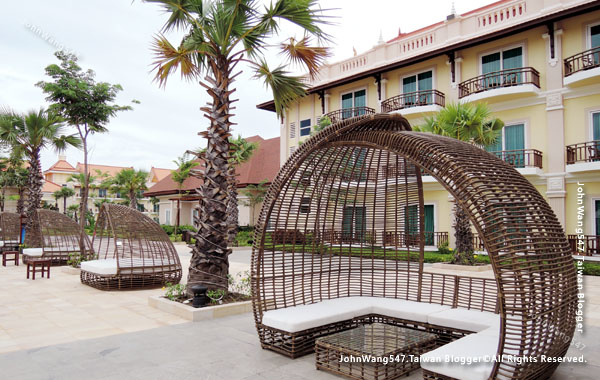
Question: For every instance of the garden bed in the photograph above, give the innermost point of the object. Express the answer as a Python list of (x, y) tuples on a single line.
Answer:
[(190, 313)]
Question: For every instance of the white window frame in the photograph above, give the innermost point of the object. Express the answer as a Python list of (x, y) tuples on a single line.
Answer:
[(591, 123), (525, 132), (352, 92), (522, 45), (415, 74), (300, 128), (588, 34)]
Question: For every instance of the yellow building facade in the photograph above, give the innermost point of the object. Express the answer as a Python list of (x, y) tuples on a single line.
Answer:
[(536, 63)]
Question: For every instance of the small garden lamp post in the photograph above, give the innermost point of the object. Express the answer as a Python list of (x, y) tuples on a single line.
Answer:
[(200, 298)]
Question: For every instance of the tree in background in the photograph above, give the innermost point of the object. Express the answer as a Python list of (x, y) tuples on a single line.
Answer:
[(218, 35), (72, 212), (472, 123), (83, 103), (255, 195), (179, 176), (28, 134), (64, 193), (130, 182)]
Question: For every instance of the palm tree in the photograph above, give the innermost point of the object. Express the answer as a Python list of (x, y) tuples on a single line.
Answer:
[(64, 193), (474, 124), (131, 182), (20, 180), (255, 194), (218, 35), (179, 176), (72, 212), (29, 134)]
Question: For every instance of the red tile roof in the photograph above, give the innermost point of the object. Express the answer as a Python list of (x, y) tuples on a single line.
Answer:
[(263, 165), (159, 173), (50, 187), (62, 166), (111, 170)]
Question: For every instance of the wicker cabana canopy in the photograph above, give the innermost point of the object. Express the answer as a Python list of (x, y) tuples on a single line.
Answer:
[(56, 236), (10, 230), (345, 218), (133, 252)]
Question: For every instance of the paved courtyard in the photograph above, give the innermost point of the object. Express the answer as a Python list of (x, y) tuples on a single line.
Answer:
[(60, 329)]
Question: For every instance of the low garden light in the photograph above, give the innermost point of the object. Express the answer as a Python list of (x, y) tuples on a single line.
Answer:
[(200, 298)]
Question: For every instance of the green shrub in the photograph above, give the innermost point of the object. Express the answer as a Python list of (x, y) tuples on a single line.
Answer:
[(174, 291), (244, 238), (591, 269), (444, 249), (170, 230)]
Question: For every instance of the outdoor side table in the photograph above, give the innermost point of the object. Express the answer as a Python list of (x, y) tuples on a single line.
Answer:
[(6, 254), (373, 352), (38, 266)]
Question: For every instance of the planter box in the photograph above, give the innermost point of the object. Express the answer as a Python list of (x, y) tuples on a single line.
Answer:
[(201, 314), (71, 270), (467, 268)]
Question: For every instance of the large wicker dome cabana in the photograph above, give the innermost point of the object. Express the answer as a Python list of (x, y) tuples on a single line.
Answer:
[(10, 231), (55, 236), (340, 242), (133, 252)]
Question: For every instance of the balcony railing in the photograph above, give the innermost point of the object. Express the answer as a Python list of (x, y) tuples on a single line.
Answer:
[(588, 245), (413, 99), (401, 239), (497, 79), (585, 60), (583, 152), (478, 243), (346, 113), (521, 158)]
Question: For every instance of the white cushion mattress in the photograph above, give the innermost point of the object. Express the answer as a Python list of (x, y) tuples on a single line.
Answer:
[(464, 319), (302, 317), (34, 252), (453, 359), (109, 266)]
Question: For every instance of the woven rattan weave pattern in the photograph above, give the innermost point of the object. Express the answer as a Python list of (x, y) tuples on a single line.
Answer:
[(10, 230), (325, 226), (145, 256), (58, 235)]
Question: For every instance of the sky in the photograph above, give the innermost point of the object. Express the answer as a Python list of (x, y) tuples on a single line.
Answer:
[(113, 38)]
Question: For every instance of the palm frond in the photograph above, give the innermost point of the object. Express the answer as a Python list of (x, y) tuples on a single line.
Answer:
[(304, 13), (62, 142), (169, 59), (300, 52), (181, 12), (286, 88)]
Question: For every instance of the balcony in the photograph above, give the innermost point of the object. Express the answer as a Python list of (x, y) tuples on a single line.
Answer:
[(415, 102), (587, 246), (583, 68), (401, 239), (583, 156), (346, 113), (522, 81), (521, 158)]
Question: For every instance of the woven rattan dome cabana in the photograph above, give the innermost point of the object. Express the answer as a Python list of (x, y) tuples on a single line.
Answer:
[(133, 252), (344, 219), (55, 236), (10, 230)]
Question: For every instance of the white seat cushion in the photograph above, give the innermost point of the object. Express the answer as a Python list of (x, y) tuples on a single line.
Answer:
[(302, 317), (62, 249), (453, 359), (402, 309), (33, 252), (106, 266), (464, 319)]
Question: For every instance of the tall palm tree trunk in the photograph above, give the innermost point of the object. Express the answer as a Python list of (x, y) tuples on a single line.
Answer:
[(464, 238), (86, 183), (34, 200), (232, 206), (21, 201), (209, 264), (132, 200)]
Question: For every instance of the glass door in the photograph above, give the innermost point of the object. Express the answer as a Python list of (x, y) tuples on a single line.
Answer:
[(429, 225), (514, 143)]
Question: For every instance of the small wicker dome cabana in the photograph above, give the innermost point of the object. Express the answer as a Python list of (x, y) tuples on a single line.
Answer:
[(340, 242), (10, 231), (133, 252), (55, 236)]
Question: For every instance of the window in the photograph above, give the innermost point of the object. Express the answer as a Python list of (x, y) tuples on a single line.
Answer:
[(156, 207), (141, 207), (597, 219), (353, 103), (594, 36), (596, 126), (499, 61), (305, 205), (411, 224), (429, 225), (416, 83), (293, 130), (118, 194), (305, 127), (168, 217), (102, 193), (512, 142), (353, 224), (195, 217)]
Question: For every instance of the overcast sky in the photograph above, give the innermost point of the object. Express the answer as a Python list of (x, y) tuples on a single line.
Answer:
[(113, 38)]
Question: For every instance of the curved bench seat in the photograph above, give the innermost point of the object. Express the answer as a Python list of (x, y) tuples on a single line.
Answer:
[(451, 360), (108, 267), (303, 317)]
